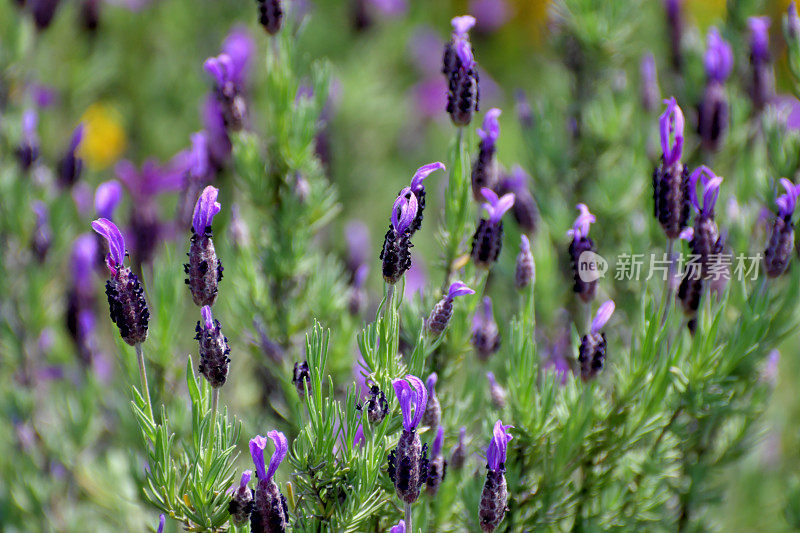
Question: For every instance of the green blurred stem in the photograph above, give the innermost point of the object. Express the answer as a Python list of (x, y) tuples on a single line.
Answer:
[(143, 379), (214, 408), (668, 282), (456, 189)]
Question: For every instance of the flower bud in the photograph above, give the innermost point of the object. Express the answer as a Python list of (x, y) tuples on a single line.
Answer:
[(214, 349), (488, 238), (459, 453), (581, 243), (301, 378), (781, 240), (494, 496), (408, 462), (525, 273), (440, 316), (241, 505), (485, 333), (433, 409), (592, 352), (204, 268)]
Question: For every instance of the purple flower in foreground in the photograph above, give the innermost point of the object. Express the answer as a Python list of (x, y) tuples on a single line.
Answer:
[(400, 527), (126, 301), (417, 187), (592, 352), (484, 167), (433, 409), (395, 253), (408, 462), (494, 495), (441, 313), (106, 198), (488, 238), (581, 250), (28, 149), (459, 68), (781, 241), (241, 504), (70, 166), (270, 512), (204, 269)]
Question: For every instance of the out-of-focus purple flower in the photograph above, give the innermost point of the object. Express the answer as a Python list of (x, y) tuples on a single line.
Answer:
[(674, 12), (422, 41), (430, 96), (416, 279), (240, 47), (718, 58), (769, 372), (759, 38), (70, 166), (671, 126), (356, 234), (152, 179), (761, 86), (580, 228), (413, 397), (161, 521), (603, 316), (649, 82), (560, 366), (498, 446), (792, 22), (523, 108), (219, 143), (28, 150), (496, 206), (82, 261), (710, 183), (400, 527), (490, 15), (106, 198), (43, 12), (433, 409), (42, 95), (485, 333), (390, 8), (490, 131), (42, 234), (496, 391)]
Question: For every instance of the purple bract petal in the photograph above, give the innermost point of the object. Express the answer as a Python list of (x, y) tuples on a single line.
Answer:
[(411, 393), (399, 528), (246, 476), (77, 137), (759, 37), (208, 318), (496, 207), (580, 228), (430, 384), (458, 288), (464, 52), (498, 446), (205, 209), (490, 130), (116, 243), (198, 156), (220, 68), (603, 315), (257, 445), (281, 449), (422, 173), (436, 447), (525, 244), (240, 47), (788, 201), (404, 210), (162, 519), (462, 24), (106, 198), (671, 129), (710, 183), (718, 59)]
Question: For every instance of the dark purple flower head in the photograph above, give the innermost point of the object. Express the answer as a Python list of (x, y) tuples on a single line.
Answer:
[(458, 288), (671, 125), (257, 446), (490, 130), (400, 527), (496, 207), (788, 201), (759, 38), (82, 261), (116, 243), (162, 519), (423, 172), (438, 441), (106, 198), (496, 454), (207, 206), (404, 210), (710, 183), (413, 398), (718, 59), (580, 228), (602, 317)]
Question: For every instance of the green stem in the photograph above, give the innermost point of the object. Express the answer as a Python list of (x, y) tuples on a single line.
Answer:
[(408, 511), (143, 379), (214, 408), (668, 283)]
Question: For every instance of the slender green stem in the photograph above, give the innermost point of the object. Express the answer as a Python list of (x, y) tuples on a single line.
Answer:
[(668, 282), (214, 408), (408, 511), (143, 379)]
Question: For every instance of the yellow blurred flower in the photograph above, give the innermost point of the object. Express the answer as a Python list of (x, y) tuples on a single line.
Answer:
[(706, 13), (104, 139)]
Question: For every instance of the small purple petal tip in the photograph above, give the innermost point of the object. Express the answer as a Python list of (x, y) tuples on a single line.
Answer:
[(205, 209), (116, 243), (603, 315)]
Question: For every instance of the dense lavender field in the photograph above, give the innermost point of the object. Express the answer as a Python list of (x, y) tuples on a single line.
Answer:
[(399, 266)]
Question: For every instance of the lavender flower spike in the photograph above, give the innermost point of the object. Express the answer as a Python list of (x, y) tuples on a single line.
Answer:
[(162, 519), (400, 527), (484, 166), (214, 349), (28, 149), (485, 333), (579, 246), (671, 124), (408, 462), (395, 253), (711, 184), (204, 269), (781, 241), (459, 68), (106, 198), (70, 166), (759, 38), (592, 352), (718, 59), (526, 268), (437, 467), (649, 82), (443, 310), (413, 398), (126, 302), (488, 238), (205, 209), (270, 512), (241, 504), (761, 82), (490, 130), (494, 496), (433, 410), (418, 188)]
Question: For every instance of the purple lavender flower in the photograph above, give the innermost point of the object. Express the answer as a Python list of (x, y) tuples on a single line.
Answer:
[(441, 313), (718, 59), (219, 143), (671, 124), (781, 242), (490, 15), (523, 109), (671, 205), (525, 273), (358, 296), (70, 166), (408, 462), (459, 453), (488, 238), (356, 234), (301, 377), (161, 521), (418, 189), (437, 467), (485, 333), (28, 149), (214, 349), (460, 70), (592, 352), (234, 108), (496, 392), (204, 269), (270, 512), (674, 12), (525, 211), (106, 198), (761, 83), (240, 47), (580, 249), (791, 24), (80, 309), (395, 253), (433, 409), (42, 234), (649, 82), (198, 172), (484, 168), (713, 111), (126, 301), (494, 496), (270, 15), (376, 406), (241, 504), (400, 527)]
